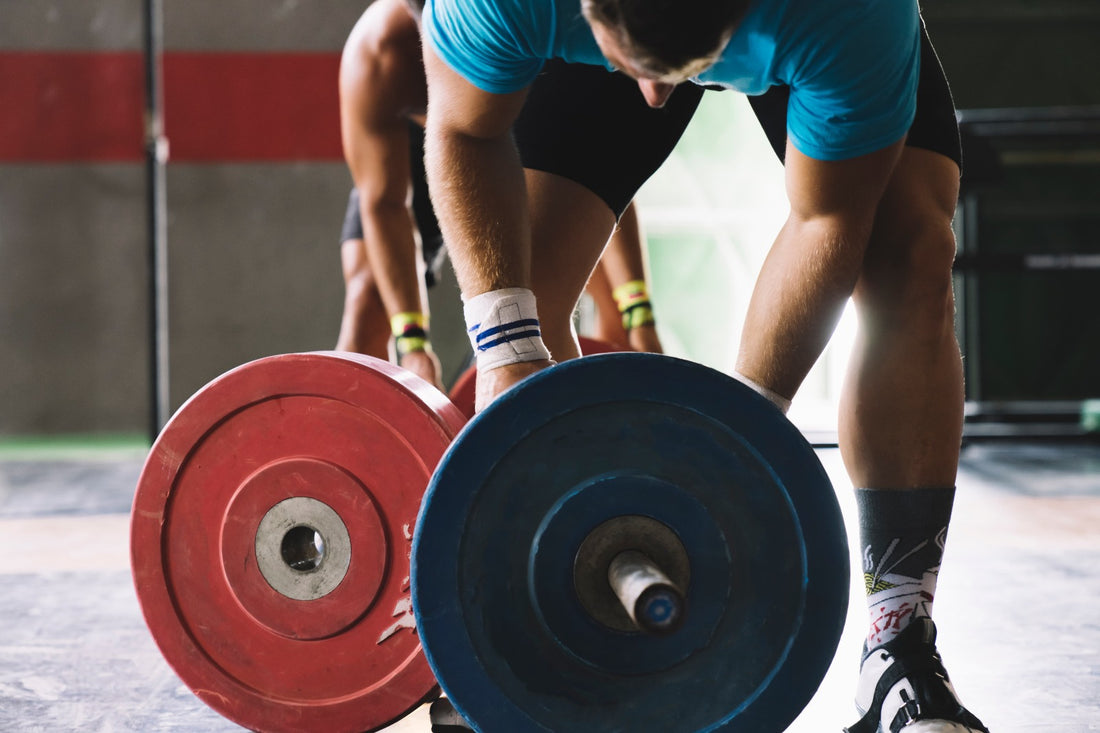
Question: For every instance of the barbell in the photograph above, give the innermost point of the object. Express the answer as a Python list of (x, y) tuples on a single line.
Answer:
[(621, 542)]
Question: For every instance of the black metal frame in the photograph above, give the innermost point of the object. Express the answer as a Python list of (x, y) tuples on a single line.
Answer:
[(1050, 129), (156, 154)]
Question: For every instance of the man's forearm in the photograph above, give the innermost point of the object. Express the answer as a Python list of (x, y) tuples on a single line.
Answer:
[(391, 254), (480, 199), (799, 297), (814, 265)]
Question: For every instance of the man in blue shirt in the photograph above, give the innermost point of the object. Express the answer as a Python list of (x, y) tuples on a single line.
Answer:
[(853, 99), (383, 97)]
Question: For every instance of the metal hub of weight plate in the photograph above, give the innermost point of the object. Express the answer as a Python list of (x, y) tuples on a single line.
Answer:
[(551, 475), (463, 391), (270, 540)]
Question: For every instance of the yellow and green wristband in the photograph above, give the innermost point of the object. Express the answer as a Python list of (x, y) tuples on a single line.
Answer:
[(410, 333), (632, 299)]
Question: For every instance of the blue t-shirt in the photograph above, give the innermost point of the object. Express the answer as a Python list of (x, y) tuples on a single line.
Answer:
[(852, 65)]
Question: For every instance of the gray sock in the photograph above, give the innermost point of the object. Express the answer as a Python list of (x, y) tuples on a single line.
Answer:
[(902, 535)]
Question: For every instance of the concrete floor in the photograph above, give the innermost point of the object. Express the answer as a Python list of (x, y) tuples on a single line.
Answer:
[(1017, 603)]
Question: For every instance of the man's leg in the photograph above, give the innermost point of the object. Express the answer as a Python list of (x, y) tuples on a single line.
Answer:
[(623, 267), (587, 139), (570, 227), (609, 324), (902, 407), (901, 420), (901, 411)]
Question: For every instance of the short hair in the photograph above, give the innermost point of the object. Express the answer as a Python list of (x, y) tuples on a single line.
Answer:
[(669, 38)]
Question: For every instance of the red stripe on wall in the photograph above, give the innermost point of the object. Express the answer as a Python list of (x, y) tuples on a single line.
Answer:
[(70, 106), (218, 107), (224, 107)]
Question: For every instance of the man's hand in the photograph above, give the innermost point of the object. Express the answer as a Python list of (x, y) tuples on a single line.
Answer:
[(493, 383), (425, 365)]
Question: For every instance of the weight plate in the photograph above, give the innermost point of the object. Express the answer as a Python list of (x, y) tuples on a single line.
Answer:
[(270, 540), (463, 391), (618, 435)]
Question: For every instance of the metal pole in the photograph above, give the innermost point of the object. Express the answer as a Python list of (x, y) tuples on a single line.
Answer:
[(653, 603), (156, 154)]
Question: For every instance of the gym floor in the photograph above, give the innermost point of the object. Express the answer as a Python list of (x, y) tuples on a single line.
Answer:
[(1017, 603)]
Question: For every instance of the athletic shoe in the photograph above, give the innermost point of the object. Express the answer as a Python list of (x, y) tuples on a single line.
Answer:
[(445, 719), (904, 687)]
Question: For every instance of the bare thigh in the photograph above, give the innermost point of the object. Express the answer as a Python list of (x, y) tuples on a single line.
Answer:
[(570, 227)]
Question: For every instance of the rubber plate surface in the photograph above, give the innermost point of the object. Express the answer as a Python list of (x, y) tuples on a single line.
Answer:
[(336, 442), (610, 435)]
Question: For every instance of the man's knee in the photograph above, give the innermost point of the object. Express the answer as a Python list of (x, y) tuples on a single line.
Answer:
[(910, 288), (907, 271)]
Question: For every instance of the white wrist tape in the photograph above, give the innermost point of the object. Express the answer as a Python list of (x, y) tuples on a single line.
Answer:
[(776, 399), (504, 328)]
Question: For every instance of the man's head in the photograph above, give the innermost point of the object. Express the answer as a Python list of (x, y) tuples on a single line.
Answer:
[(663, 42), (667, 41)]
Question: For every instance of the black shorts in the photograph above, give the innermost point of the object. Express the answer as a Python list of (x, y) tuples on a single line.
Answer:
[(431, 238), (935, 126), (593, 126)]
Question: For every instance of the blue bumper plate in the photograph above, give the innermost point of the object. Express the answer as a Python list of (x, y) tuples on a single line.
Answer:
[(616, 435)]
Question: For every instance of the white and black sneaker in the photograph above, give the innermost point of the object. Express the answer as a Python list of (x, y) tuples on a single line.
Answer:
[(445, 719), (904, 687)]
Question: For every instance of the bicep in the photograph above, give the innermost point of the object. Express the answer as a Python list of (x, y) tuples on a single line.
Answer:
[(374, 131), (456, 106), (378, 158)]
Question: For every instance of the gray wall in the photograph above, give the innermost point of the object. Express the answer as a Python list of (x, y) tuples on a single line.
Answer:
[(72, 335), (72, 323), (253, 253), (254, 267)]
